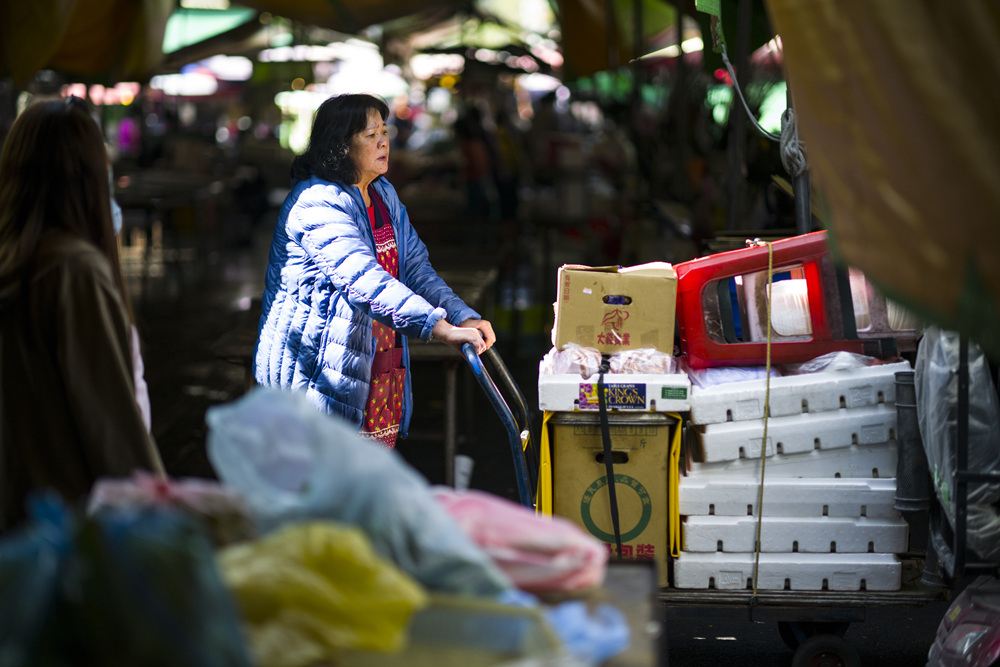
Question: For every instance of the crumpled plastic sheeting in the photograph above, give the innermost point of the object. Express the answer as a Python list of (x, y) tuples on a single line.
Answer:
[(586, 361), (539, 554), (572, 359), (123, 587), (31, 562), (312, 589), (703, 378), (832, 361), (646, 360), (222, 511), (936, 384), (589, 637), (292, 462)]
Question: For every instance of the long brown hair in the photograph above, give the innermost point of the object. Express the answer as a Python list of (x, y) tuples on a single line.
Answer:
[(54, 175)]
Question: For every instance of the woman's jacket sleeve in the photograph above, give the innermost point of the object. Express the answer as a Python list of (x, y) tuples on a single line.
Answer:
[(323, 223)]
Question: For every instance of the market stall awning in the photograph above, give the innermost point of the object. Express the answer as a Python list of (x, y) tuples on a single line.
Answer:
[(112, 40), (351, 16), (600, 35), (115, 40), (897, 106)]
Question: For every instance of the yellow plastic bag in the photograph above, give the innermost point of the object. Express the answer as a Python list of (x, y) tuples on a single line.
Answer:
[(311, 589)]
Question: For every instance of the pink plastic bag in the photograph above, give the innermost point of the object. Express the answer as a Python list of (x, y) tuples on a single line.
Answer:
[(539, 554), (221, 511)]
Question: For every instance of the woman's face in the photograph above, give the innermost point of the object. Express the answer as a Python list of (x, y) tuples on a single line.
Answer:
[(370, 149)]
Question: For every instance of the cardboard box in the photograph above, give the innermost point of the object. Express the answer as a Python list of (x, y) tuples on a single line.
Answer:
[(616, 308), (641, 447)]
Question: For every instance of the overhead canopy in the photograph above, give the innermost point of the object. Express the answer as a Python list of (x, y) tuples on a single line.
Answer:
[(600, 35), (897, 106), (110, 39), (116, 40), (353, 16)]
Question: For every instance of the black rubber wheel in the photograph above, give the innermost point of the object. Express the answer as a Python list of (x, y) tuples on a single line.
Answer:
[(826, 651), (790, 631), (793, 633)]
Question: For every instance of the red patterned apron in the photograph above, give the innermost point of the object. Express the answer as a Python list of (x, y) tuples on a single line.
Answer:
[(384, 409)]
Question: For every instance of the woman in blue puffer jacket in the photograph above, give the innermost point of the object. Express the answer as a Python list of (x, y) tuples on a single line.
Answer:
[(349, 281)]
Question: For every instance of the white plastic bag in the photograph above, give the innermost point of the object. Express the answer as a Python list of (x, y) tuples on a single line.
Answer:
[(936, 384), (573, 358), (646, 360), (832, 361), (292, 462)]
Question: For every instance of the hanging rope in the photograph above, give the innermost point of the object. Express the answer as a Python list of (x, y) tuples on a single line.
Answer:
[(792, 155), (739, 93), (767, 413)]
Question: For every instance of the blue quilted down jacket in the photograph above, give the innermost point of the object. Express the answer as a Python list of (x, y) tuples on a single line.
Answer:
[(324, 286)]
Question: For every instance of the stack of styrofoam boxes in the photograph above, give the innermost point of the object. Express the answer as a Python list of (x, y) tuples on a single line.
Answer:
[(829, 521)]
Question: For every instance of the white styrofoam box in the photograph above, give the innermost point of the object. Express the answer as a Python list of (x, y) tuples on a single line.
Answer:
[(780, 534), (568, 392), (854, 461), (798, 433), (795, 394), (803, 572), (788, 496)]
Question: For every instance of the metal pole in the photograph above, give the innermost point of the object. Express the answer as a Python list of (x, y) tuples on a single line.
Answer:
[(800, 190), (681, 105), (737, 121), (638, 47), (961, 457), (611, 33), (450, 416)]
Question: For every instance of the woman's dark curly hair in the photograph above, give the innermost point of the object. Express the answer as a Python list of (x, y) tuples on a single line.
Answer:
[(337, 121)]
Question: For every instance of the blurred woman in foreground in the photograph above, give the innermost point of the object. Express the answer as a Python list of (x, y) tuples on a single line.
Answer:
[(69, 412)]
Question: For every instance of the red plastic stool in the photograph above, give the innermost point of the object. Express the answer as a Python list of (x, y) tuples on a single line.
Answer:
[(722, 307)]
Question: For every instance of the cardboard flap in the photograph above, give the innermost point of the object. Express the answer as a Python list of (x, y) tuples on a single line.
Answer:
[(655, 269)]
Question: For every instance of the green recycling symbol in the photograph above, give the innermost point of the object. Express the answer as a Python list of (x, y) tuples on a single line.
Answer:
[(621, 481)]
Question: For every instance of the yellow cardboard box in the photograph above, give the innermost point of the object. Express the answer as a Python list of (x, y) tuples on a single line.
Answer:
[(640, 445), (616, 308)]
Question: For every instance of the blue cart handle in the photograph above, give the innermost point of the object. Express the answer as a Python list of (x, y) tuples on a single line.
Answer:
[(517, 436)]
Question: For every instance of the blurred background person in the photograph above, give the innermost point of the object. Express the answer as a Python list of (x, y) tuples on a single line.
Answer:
[(477, 166)]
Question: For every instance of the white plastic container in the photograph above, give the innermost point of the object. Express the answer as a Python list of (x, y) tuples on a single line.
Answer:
[(779, 534), (788, 496), (797, 572), (797, 434), (856, 461), (795, 394)]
